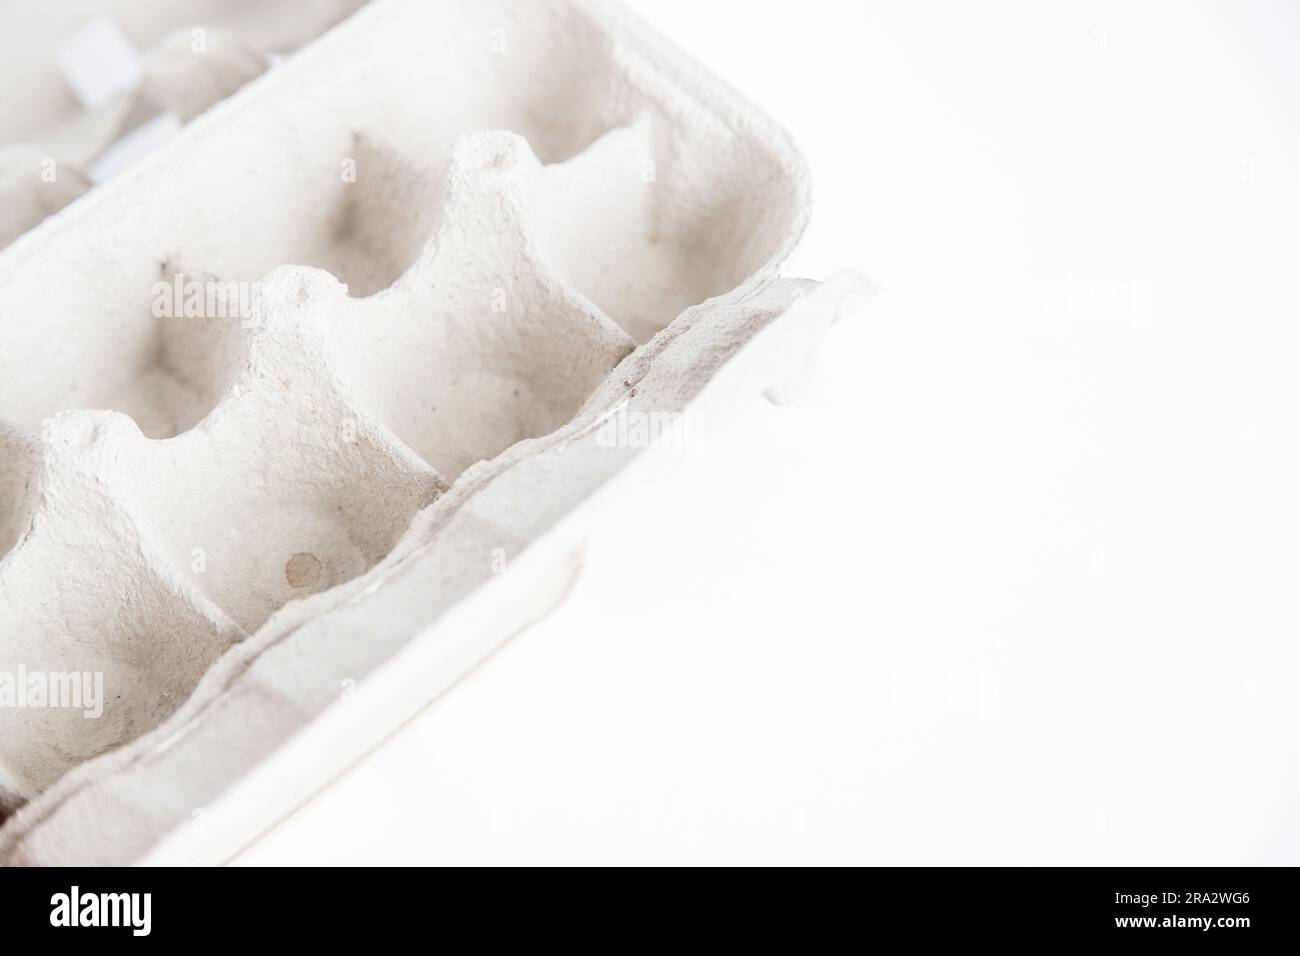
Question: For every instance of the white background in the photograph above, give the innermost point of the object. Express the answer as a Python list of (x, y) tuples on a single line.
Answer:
[(1017, 582)]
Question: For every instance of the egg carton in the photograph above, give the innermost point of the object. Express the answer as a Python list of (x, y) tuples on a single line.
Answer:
[(274, 510)]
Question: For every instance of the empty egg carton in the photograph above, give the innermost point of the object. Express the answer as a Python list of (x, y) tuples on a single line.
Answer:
[(275, 509)]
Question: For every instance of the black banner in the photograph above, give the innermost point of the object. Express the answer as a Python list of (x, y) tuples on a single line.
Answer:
[(1230, 907)]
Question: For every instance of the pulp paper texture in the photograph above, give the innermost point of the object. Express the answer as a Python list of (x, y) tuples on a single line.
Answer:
[(319, 395)]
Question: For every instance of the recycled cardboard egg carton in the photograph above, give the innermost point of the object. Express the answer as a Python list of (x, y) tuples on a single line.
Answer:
[(307, 414)]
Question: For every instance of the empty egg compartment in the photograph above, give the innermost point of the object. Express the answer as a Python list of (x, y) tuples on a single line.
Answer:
[(286, 488), (85, 595), (480, 343)]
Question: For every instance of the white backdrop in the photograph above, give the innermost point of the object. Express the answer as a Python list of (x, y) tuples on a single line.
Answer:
[(1016, 583)]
